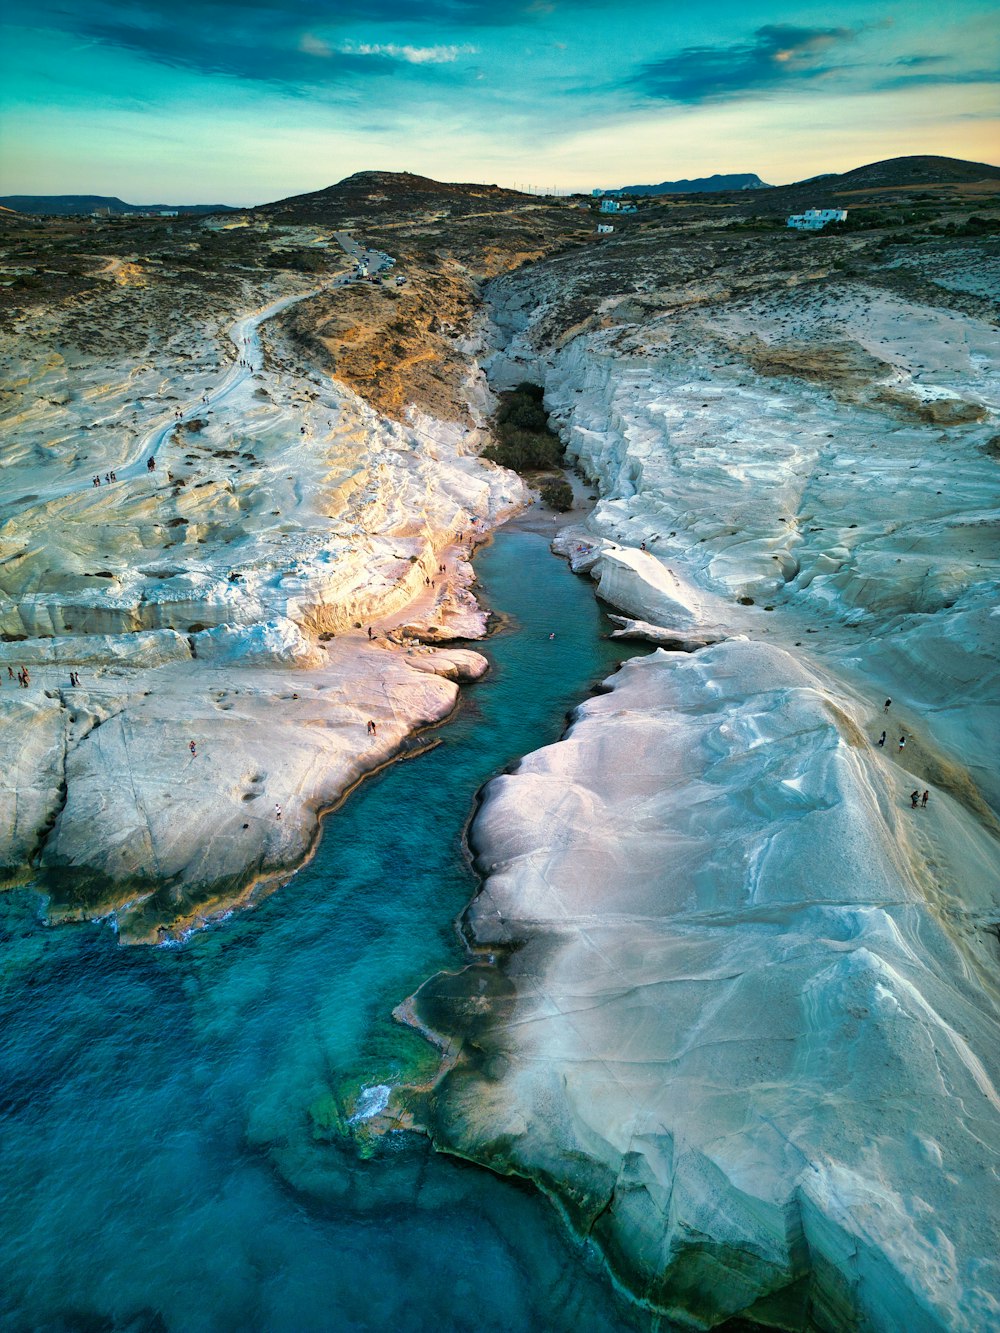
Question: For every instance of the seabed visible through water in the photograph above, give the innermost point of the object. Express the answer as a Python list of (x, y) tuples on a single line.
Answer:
[(173, 1147)]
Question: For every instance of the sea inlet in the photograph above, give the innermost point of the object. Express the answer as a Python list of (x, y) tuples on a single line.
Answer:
[(177, 1143)]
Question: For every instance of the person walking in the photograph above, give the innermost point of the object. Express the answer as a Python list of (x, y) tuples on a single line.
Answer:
[(924, 799), (888, 705), (881, 740), (193, 748), (914, 798), (902, 744), (277, 811)]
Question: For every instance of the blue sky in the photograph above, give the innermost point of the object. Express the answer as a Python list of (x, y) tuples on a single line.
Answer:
[(216, 101)]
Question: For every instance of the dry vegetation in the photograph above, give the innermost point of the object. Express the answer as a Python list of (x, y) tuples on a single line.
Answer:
[(123, 286)]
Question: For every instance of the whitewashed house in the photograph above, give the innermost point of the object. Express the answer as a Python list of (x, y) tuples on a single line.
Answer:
[(604, 228), (814, 219)]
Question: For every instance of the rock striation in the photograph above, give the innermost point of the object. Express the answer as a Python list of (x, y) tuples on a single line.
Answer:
[(196, 634), (732, 999)]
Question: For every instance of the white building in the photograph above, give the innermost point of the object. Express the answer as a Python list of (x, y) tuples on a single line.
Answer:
[(814, 219), (604, 228)]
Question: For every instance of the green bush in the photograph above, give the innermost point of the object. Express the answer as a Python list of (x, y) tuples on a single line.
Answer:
[(521, 432), (525, 451), (558, 495), (526, 415)]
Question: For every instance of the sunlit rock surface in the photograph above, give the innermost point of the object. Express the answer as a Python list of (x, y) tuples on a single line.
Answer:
[(222, 598), (740, 1032), (734, 1000)]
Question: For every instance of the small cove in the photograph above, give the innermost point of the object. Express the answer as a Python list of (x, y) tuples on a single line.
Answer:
[(173, 1143)]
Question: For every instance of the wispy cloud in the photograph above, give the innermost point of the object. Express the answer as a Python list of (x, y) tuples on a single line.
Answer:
[(294, 42), (412, 55), (779, 54)]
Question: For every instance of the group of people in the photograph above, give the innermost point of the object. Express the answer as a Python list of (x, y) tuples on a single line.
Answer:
[(109, 477), (24, 677), (915, 797), (881, 742)]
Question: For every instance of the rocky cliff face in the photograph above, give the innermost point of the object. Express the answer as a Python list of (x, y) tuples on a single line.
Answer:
[(734, 1002)]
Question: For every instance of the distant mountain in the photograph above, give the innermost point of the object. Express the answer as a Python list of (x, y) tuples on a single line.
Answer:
[(70, 205), (894, 178), (379, 192), (746, 180), (901, 172)]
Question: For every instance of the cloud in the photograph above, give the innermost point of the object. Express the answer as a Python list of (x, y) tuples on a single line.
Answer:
[(412, 55), (285, 42), (779, 54), (314, 46), (238, 54), (916, 62)]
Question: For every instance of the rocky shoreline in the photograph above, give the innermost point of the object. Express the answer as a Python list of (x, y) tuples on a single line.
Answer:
[(732, 1001), (214, 611)]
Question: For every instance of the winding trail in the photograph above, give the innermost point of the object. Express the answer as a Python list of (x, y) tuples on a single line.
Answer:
[(245, 335), (246, 339)]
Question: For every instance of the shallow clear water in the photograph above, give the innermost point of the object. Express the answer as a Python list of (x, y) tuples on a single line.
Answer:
[(169, 1149)]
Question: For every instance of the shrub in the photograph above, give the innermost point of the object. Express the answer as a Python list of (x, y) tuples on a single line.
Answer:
[(558, 495), (522, 439)]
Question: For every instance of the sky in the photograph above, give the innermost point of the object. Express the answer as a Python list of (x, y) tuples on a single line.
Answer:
[(246, 101)]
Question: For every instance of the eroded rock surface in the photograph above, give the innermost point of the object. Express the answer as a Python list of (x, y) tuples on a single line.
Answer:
[(221, 600), (734, 999), (741, 1033)]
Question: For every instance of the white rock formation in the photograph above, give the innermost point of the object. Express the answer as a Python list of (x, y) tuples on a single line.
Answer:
[(222, 597), (747, 1044), (660, 635), (735, 1005), (165, 837)]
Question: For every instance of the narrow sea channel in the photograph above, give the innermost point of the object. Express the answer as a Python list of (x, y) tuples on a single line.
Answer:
[(170, 1148)]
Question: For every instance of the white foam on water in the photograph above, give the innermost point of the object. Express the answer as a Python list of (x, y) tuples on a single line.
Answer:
[(371, 1101)]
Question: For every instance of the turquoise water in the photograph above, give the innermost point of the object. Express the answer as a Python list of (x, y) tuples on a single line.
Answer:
[(169, 1143)]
